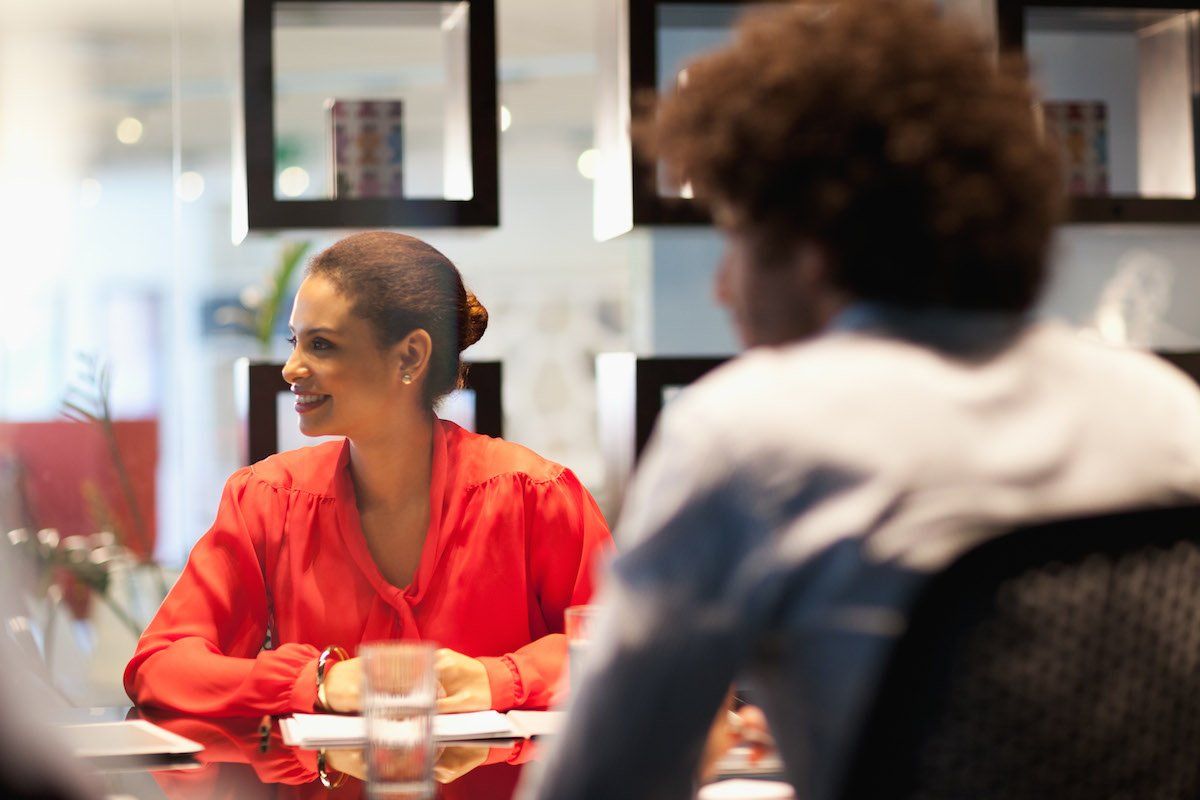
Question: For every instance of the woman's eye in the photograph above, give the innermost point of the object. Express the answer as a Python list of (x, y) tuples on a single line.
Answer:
[(292, 341), (321, 344)]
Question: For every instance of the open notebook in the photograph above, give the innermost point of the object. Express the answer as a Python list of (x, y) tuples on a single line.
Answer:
[(314, 731)]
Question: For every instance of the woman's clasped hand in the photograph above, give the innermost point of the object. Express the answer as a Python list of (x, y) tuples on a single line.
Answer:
[(462, 684)]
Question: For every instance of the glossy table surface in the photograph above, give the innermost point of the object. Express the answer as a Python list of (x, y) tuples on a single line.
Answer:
[(238, 762)]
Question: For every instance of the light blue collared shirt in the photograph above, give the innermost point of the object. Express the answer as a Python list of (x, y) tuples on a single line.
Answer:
[(792, 501)]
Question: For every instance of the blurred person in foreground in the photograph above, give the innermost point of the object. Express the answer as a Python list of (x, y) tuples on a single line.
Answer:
[(888, 205)]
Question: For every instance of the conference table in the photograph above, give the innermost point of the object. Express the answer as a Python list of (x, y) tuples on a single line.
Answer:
[(239, 761)]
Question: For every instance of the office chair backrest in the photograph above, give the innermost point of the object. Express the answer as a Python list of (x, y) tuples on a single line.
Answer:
[(1060, 661)]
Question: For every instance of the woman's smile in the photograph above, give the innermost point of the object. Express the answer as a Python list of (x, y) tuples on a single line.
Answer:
[(308, 402)]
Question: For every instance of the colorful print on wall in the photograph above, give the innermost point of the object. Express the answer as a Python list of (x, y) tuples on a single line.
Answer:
[(368, 148), (1081, 129)]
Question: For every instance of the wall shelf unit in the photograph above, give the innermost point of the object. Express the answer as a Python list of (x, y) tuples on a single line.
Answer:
[(369, 113), (1120, 91)]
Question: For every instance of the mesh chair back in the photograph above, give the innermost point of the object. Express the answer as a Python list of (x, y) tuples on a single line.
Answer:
[(1061, 661)]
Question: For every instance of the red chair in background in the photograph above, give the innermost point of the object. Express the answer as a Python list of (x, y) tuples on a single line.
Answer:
[(68, 479)]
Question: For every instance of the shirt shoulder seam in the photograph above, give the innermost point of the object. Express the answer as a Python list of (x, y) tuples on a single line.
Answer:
[(518, 473), (292, 489)]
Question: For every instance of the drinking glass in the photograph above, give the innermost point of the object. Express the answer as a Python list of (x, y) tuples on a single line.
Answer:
[(399, 693), (578, 622)]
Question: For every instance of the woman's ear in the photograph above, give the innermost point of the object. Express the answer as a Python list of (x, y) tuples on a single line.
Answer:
[(412, 356)]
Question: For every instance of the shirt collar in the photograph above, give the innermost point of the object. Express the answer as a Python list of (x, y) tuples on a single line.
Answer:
[(940, 328)]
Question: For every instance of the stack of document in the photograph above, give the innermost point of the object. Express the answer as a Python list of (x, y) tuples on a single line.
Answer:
[(314, 731)]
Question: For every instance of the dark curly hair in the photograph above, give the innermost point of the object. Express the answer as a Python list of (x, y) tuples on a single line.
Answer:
[(399, 283), (882, 132)]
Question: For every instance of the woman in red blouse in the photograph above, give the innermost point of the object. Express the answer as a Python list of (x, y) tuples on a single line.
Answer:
[(410, 528)]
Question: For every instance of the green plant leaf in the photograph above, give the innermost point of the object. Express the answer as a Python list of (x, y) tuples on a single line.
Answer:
[(279, 281), (77, 413)]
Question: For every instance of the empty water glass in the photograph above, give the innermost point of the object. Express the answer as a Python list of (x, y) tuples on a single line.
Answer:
[(578, 621), (399, 694)]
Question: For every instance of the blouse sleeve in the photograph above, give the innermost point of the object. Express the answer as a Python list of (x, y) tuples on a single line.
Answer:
[(567, 539), (202, 653)]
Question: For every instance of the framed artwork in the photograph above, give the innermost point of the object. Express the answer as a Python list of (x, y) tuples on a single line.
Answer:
[(1080, 128), (367, 137)]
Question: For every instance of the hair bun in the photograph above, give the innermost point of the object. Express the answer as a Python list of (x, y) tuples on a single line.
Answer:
[(475, 321)]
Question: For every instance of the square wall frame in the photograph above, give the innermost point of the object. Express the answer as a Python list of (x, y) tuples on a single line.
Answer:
[(625, 192), (1123, 207), (479, 137)]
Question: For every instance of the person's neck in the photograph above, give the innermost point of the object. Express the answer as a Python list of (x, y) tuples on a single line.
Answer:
[(803, 321), (830, 305), (392, 468)]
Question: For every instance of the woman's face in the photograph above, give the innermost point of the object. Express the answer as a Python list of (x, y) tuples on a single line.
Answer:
[(344, 383)]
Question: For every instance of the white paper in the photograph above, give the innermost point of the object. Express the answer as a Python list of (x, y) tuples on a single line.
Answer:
[(471, 725), (334, 730), (741, 789), (129, 738), (528, 724)]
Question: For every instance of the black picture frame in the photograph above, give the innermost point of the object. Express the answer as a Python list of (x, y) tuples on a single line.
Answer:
[(265, 212), (650, 207), (629, 399), (1010, 22), (652, 378), (264, 383)]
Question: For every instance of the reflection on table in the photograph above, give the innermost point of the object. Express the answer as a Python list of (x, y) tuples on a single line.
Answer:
[(239, 762)]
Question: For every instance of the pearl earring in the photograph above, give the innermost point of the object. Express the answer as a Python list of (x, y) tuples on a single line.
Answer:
[(406, 377)]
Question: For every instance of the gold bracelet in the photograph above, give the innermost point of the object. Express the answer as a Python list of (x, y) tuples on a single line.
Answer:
[(323, 774), (338, 654)]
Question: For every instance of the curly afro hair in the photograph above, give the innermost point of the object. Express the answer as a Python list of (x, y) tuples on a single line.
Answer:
[(881, 131)]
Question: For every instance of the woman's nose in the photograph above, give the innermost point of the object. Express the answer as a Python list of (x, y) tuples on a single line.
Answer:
[(293, 370)]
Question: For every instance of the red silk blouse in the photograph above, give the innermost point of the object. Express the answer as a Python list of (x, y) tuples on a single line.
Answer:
[(513, 540)]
